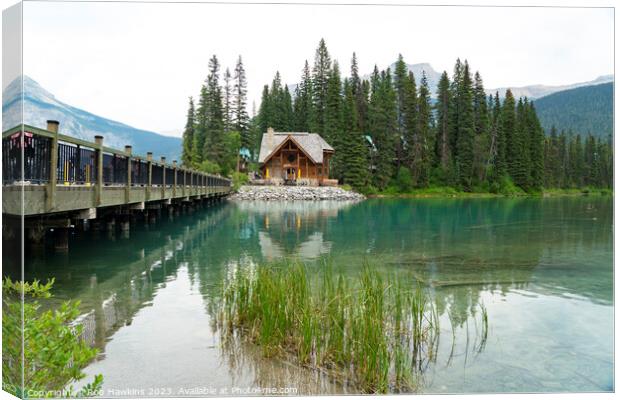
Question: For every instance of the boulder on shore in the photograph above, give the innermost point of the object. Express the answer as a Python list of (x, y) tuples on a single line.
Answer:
[(295, 193)]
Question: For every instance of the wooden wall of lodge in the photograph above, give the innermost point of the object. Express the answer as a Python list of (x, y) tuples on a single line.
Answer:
[(278, 164)]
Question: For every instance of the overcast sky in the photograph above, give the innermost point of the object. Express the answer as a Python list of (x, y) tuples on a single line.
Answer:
[(138, 63)]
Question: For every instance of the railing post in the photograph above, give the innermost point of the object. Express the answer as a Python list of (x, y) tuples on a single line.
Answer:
[(99, 187), (184, 180), (163, 177), (128, 186), (174, 183), (191, 179), (149, 162), (52, 126), (77, 165)]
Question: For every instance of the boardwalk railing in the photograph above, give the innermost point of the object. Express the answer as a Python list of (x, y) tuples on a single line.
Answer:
[(58, 162)]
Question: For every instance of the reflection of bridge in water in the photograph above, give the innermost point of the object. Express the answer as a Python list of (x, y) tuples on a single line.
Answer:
[(112, 302)]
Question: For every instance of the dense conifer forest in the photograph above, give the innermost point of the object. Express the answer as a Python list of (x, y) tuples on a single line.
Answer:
[(587, 109), (389, 136)]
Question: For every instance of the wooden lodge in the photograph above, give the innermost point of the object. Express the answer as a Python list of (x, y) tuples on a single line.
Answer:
[(297, 158)]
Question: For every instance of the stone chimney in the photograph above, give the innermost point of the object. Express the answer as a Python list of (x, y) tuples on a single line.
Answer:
[(52, 125), (270, 137)]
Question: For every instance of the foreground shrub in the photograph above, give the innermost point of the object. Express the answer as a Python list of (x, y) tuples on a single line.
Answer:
[(53, 354), (239, 179)]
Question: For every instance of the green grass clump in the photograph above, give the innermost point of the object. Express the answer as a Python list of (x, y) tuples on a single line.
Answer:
[(370, 330)]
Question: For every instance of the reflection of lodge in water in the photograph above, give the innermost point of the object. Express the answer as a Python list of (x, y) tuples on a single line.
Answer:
[(294, 228), (114, 300)]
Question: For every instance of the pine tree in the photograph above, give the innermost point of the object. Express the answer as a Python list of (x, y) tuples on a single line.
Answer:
[(497, 145), (444, 127), (265, 112), (320, 78), (481, 129), (303, 101), (255, 135), (590, 162), (277, 101), (481, 117), (424, 129), (454, 112), (382, 124), (563, 150), (228, 99), (287, 110), (553, 169), (361, 92), (241, 119), (411, 129), (200, 135), (605, 152), (517, 149), (536, 148), (355, 152), (464, 117), (506, 137), (214, 149), (333, 121), (276, 109), (577, 161), (188, 135), (400, 84)]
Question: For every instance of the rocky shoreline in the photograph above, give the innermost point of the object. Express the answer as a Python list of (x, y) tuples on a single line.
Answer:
[(276, 193)]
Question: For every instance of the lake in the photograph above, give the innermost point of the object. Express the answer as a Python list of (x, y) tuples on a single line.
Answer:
[(542, 267)]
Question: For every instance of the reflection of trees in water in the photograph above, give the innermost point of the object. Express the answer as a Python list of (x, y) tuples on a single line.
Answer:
[(470, 245)]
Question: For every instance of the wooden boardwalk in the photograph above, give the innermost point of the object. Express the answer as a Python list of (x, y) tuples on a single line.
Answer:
[(57, 181)]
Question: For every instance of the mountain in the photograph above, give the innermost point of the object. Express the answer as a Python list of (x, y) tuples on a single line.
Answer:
[(40, 105), (583, 110), (538, 91)]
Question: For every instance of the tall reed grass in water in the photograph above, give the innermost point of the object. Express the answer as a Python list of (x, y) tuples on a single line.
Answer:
[(373, 331)]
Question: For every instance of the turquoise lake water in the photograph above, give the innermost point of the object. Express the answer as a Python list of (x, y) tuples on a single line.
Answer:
[(543, 268)]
